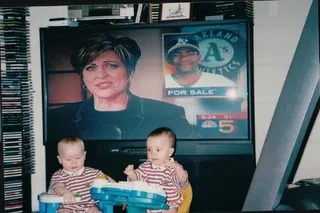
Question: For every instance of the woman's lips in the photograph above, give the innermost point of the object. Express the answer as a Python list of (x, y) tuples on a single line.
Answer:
[(103, 85)]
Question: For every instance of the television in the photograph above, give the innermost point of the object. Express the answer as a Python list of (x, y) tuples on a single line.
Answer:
[(212, 117), (217, 112)]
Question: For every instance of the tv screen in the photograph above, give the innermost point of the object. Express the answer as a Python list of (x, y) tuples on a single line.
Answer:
[(120, 82)]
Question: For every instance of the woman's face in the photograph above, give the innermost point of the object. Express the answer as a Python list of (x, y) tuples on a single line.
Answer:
[(106, 76)]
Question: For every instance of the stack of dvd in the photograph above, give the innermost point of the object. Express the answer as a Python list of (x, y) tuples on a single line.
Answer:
[(17, 150), (223, 10)]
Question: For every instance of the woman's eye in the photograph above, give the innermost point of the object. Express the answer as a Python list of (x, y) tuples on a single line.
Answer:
[(112, 66), (90, 68), (158, 150), (68, 159)]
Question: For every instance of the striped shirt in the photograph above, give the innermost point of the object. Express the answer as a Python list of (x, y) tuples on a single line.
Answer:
[(77, 184), (164, 177)]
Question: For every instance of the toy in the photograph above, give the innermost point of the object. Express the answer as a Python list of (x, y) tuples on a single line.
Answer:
[(50, 203), (138, 196)]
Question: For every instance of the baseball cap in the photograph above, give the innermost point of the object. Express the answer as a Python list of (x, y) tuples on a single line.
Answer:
[(180, 42)]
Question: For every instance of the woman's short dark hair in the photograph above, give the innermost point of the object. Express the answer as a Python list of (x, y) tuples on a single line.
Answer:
[(93, 45)]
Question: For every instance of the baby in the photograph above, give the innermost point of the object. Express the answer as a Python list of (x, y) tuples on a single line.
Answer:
[(161, 169), (74, 177)]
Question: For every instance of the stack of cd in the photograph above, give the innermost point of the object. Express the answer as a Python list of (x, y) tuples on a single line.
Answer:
[(16, 131), (154, 13), (221, 10)]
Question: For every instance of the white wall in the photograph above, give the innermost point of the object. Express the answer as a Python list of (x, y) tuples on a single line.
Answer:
[(278, 25), (39, 16)]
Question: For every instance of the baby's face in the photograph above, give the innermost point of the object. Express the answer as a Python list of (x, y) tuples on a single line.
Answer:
[(159, 149), (72, 157)]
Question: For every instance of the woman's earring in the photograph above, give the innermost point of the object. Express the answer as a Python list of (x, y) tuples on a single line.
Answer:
[(84, 87)]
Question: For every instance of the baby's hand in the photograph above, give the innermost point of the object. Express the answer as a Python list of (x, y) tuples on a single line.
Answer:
[(68, 197), (129, 170), (171, 164)]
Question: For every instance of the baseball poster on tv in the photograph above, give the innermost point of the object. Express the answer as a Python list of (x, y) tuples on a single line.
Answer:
[(120, 83)]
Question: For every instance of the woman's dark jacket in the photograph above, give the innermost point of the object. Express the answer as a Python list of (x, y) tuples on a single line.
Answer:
[(136, 122)]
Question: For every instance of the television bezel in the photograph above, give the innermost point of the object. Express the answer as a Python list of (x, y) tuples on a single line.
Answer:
[(184, 147)]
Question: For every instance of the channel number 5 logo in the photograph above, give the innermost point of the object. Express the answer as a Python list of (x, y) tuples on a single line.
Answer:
[(226, 126)]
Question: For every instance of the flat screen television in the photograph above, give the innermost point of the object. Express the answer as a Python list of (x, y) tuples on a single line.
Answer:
[(207, 102)]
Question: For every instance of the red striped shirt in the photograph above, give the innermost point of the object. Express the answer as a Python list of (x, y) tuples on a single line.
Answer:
[(164, 177), (77, 184)]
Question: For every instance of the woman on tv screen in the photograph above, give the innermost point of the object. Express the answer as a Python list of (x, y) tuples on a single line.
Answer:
[(106, 64)]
